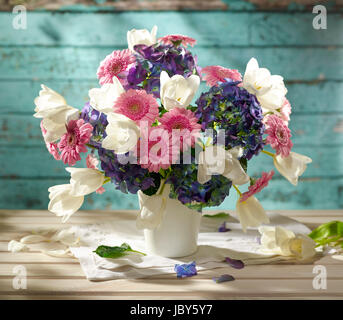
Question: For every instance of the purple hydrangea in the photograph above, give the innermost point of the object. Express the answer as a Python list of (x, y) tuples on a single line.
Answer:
[(128, 177), (186, 188), (152, 60), (185, 270), (235, 110)]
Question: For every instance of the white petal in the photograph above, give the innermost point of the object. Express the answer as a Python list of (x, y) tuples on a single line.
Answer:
[(85, 181), (251, 213), (233, 168), (177, 91), (103, 99), (251, 65), (60, 253), (269, 89), (62, 203), (122, 134), (152, 209), (141, 36), (236, 173), (54, 130), (292, 167), (193, 83), (153, 34), (48, 99), (15, 246), (34, 238), (65, 236)]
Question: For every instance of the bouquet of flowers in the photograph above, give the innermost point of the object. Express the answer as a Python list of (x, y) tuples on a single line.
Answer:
[(144, 131)]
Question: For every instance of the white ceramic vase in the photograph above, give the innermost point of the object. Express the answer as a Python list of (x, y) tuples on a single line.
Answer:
[(177, 233)]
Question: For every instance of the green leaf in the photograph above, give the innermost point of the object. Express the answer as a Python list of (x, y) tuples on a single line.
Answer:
[(115, 252), (328, 233), (218, 215)]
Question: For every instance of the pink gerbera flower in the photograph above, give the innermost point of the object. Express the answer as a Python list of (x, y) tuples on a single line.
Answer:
[(215, 74), (52, 147), (115, 64), (73, 142), (183, 122), (137, 105), (156, 149), (279, 135), (286, 111), (259, 184), (175, 38)]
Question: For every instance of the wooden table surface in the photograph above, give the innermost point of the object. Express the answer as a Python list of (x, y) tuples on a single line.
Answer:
[(63, 278)]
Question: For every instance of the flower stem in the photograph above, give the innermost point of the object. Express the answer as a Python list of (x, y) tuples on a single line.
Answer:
[(164, 182), (240, 193), (90, 146), (268, 153), (138, 252)]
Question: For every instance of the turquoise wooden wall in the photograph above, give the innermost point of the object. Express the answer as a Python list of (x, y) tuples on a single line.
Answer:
[(63, 50)]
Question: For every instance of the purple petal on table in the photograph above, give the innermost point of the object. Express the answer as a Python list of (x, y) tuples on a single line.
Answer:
[(185, 270), (223, 278), (237, 264), (222, 228)]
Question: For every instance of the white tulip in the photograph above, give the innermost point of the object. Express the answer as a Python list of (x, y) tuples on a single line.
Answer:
[(85, 181), (55, 112), (217, 160), (102, 99), (292, 167), (122, 133), (269, 89), (177, 91), (284, 242), (151, 210), (48, 102), (62, 203), (251, 213), (141, 36)]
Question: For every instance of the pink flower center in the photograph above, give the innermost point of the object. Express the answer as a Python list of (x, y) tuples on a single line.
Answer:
[(179, 123), (71, 139), (282, 136), (115, 67), (135, 109)]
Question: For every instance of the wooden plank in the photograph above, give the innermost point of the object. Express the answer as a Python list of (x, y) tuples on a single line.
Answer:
[(306, 98), (312, 193), (81, 63), (100, 297), (123, 5), (31, 223), (201, 287), (283, 4), (73, 271), (15, 231), (24, 130), (240, 29), (33, 258), (131, 214), (27, 158), (86, 6), (57, 271)]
